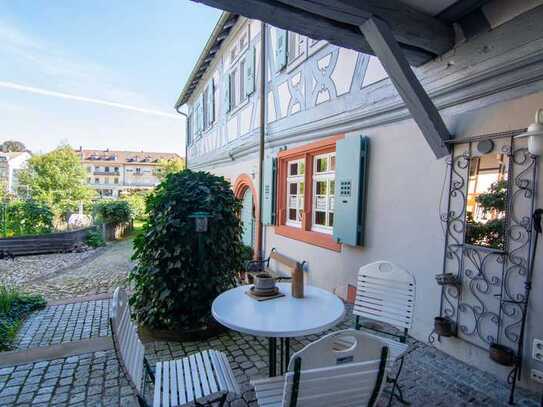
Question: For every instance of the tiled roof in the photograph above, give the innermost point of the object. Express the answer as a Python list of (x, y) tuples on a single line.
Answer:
[(125, 157)]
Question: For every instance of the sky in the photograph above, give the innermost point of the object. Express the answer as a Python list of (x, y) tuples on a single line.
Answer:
[(98, 74)]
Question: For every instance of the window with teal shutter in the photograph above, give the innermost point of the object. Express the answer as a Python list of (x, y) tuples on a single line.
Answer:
[(352, 155), (269, 181), (210, 102), (250, 62), (281, 49), (226, 93)]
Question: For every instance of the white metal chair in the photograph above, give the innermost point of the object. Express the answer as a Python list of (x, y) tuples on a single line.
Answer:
[(386, 293), (177, 382), (324, 374)]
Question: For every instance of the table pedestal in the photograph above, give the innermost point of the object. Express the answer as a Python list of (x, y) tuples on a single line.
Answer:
[(284, 355)]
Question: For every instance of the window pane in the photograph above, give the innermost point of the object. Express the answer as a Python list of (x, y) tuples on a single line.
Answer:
[(292, 214), (321, 164), (333, 163), (302, 168), (331, 219), (293, 168), (301, 191), (320, 218), (332, 187), (320, 188), (293, 189)]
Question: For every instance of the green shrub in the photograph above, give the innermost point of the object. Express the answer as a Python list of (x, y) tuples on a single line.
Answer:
[(26, 218), (95, 239), (14, 307), (136, 201), (173, 287), (247, 253), (109, 211)]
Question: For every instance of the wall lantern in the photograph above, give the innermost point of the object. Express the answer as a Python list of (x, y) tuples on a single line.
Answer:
[(535, 134), (200, 221)]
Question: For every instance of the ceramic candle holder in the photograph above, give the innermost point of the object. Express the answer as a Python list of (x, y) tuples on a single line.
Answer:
[(264, 281)]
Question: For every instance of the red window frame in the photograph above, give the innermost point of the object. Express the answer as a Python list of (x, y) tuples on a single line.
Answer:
[(303, 233)]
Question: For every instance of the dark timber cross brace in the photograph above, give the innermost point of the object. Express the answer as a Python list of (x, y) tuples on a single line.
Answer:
[(396, 33)]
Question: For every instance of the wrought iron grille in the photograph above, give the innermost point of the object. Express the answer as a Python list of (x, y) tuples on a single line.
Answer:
[(487, 303)]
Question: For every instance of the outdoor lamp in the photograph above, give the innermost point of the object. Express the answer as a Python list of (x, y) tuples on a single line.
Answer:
[(200, 221), (535, 134)]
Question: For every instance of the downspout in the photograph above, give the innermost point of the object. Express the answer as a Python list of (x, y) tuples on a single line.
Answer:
[(260, 228), (186, 116)]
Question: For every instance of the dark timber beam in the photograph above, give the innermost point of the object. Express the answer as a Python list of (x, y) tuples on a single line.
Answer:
[(287, 16), (409, 26), (425, 114)]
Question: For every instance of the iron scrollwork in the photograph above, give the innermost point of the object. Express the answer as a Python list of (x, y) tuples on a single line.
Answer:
[(488, 304)]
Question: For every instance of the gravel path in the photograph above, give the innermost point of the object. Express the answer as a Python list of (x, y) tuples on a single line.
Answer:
[(63, 276)]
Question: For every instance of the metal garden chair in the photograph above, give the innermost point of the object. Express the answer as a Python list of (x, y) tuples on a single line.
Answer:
[(386, 293)]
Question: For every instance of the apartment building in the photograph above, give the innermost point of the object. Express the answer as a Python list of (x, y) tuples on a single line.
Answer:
[(113, 173)]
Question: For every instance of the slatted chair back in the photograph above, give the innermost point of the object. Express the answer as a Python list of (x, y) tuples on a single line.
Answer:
[(127, 343), (322, 375), (386, 293)]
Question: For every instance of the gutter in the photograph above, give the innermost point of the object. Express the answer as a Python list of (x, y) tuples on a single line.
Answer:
[(186, 116), (261, 147)]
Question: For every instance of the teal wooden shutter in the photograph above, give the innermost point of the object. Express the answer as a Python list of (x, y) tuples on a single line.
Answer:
[(269, 179), (247, 218), (250, 62), (226, 93), (350, 195), (210, 103), (281, 49)]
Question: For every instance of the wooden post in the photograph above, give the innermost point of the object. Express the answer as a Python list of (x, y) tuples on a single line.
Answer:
[(298, 281)]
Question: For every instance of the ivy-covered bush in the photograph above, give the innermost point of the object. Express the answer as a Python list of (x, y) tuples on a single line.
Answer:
[(136, 201), (95, 239), (173, 287), (26, 218), (113, 211)]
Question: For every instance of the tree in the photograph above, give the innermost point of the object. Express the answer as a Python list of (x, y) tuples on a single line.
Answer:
[(12, 146), (171, 166), (57, 179)]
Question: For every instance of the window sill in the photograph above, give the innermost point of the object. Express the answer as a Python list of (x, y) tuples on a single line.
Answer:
[(323, 240), (238, 107)]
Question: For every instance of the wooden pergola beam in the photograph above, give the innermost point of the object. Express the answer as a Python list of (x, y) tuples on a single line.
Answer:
[(409, 26), (284, 14), (419, 104)]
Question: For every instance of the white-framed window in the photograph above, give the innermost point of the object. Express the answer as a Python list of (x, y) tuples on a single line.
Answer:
[(324, 179), (295, 192), (296, 46)]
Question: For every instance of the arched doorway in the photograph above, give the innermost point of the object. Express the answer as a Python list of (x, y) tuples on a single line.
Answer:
[(245, 191)]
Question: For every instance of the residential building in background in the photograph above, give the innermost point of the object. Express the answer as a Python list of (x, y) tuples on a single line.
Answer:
[(113, 173), (10, 165)]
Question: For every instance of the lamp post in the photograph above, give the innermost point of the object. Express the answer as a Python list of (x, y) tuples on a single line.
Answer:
[(200, 227)]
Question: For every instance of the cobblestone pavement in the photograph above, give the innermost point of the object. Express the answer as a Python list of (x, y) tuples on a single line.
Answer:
[(93, 274), (64, 323), (430, 377), (24, 269)]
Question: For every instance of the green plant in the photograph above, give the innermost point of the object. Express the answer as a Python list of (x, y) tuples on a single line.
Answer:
[(58, 180), (136, 201), (26, 218), (117, 211), (95, 239), (14, 307), (173, 286), (247, 253), (492, 232)]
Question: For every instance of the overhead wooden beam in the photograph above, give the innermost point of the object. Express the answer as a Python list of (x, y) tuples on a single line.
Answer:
[(409, 26), (421, 107), (283, 15)]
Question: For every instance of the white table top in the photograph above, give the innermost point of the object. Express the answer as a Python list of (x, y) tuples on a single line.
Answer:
[(282, 317)]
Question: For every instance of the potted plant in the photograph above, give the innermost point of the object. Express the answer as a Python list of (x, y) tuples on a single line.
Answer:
[(502, 354), (444, 326), (447, 279)]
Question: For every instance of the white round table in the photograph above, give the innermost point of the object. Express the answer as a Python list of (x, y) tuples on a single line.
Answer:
[(283, 317)]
